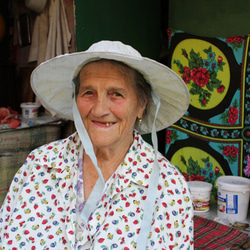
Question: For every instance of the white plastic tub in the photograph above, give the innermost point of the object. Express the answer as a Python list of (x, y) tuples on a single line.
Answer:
[(200, 195), (30, 109), (233, 197)]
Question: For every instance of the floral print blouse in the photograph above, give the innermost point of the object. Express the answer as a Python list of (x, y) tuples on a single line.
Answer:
[(43, 206)]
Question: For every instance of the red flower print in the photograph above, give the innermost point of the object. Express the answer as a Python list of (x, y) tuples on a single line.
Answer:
[(119, 231), (217, 170), (101, 240), (232, 119), (185, 78), (200, 76), (221, 89), (233, 111), (237, 39), (226, 150), (196, 178), (234, 151), (187, 74), (220, 58), (187, 71), (233, 115), (230, 150), (135, 222), (168, 136), (168, 132)]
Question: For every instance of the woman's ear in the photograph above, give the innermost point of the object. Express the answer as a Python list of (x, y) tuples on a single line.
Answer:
[(142, 110)]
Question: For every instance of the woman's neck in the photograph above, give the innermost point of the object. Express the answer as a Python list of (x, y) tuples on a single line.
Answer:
[(108, 161)]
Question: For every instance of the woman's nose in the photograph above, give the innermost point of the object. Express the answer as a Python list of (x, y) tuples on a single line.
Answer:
[(101, 106)]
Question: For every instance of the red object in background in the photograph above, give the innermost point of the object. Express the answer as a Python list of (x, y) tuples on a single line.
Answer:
[(9, 117)]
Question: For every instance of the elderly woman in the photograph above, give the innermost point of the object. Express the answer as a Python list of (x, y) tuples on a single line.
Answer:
[(103, 187)]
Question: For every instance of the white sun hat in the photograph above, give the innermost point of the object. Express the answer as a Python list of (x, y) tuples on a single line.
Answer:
[(51, 81)]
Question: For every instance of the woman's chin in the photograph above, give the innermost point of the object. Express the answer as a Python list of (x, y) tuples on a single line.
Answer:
[(105, 139)]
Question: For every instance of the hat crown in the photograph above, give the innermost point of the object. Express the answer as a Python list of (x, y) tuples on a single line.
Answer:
[(57, 74), (114, 47)]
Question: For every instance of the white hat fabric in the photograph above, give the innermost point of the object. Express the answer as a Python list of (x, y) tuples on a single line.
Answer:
[(51, 81), (36, 5)]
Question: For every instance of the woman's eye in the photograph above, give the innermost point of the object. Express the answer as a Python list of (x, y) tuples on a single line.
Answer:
[(88, 93), (117, 94)]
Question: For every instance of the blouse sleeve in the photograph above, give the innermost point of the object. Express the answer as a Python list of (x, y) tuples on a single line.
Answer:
[(173, 221), (13, 197)]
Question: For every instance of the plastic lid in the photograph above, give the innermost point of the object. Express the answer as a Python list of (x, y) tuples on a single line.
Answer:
[(234, 183), (30, 105), (201, 185)]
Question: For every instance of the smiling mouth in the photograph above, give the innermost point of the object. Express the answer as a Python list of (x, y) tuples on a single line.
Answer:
[(104, 124)]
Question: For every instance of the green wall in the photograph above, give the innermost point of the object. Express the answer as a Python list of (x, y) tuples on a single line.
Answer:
[(134, 22), (210, 17)]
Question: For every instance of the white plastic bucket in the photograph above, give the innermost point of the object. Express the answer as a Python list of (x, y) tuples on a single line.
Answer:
[(200, 195), (233, 197), (30, 109)]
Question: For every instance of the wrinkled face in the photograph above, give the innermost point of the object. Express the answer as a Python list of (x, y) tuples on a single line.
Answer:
[(108, 104)]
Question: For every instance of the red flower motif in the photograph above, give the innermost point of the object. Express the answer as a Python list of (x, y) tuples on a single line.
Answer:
[(220, 59), (185, 78), (234, 151), (168, 132), (217, 170), (237, 39), (232, 119), (221, 89), (197, 178), (187, 71), (204, 102), (230, 150), (168, 136), (187, 74), (233, 111), (233, 115), (226, 150), (200, 76)]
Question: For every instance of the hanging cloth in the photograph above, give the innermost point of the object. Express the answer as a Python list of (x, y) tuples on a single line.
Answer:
[(51, 35)]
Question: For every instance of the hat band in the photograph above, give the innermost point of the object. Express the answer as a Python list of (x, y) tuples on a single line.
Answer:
[(153, 183), (97, 191)]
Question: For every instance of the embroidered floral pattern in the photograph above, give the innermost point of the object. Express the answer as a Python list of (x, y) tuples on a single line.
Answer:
[(201, 74), (230, 151), (204, 172), (231, 116), (235, 41)]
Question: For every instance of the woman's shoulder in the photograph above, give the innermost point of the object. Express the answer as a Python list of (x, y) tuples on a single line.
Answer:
[(171, 184), (72, 139), (167, 169), (58, 148)]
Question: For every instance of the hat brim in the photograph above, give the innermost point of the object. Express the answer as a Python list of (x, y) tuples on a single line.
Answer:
[(51, 81)]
